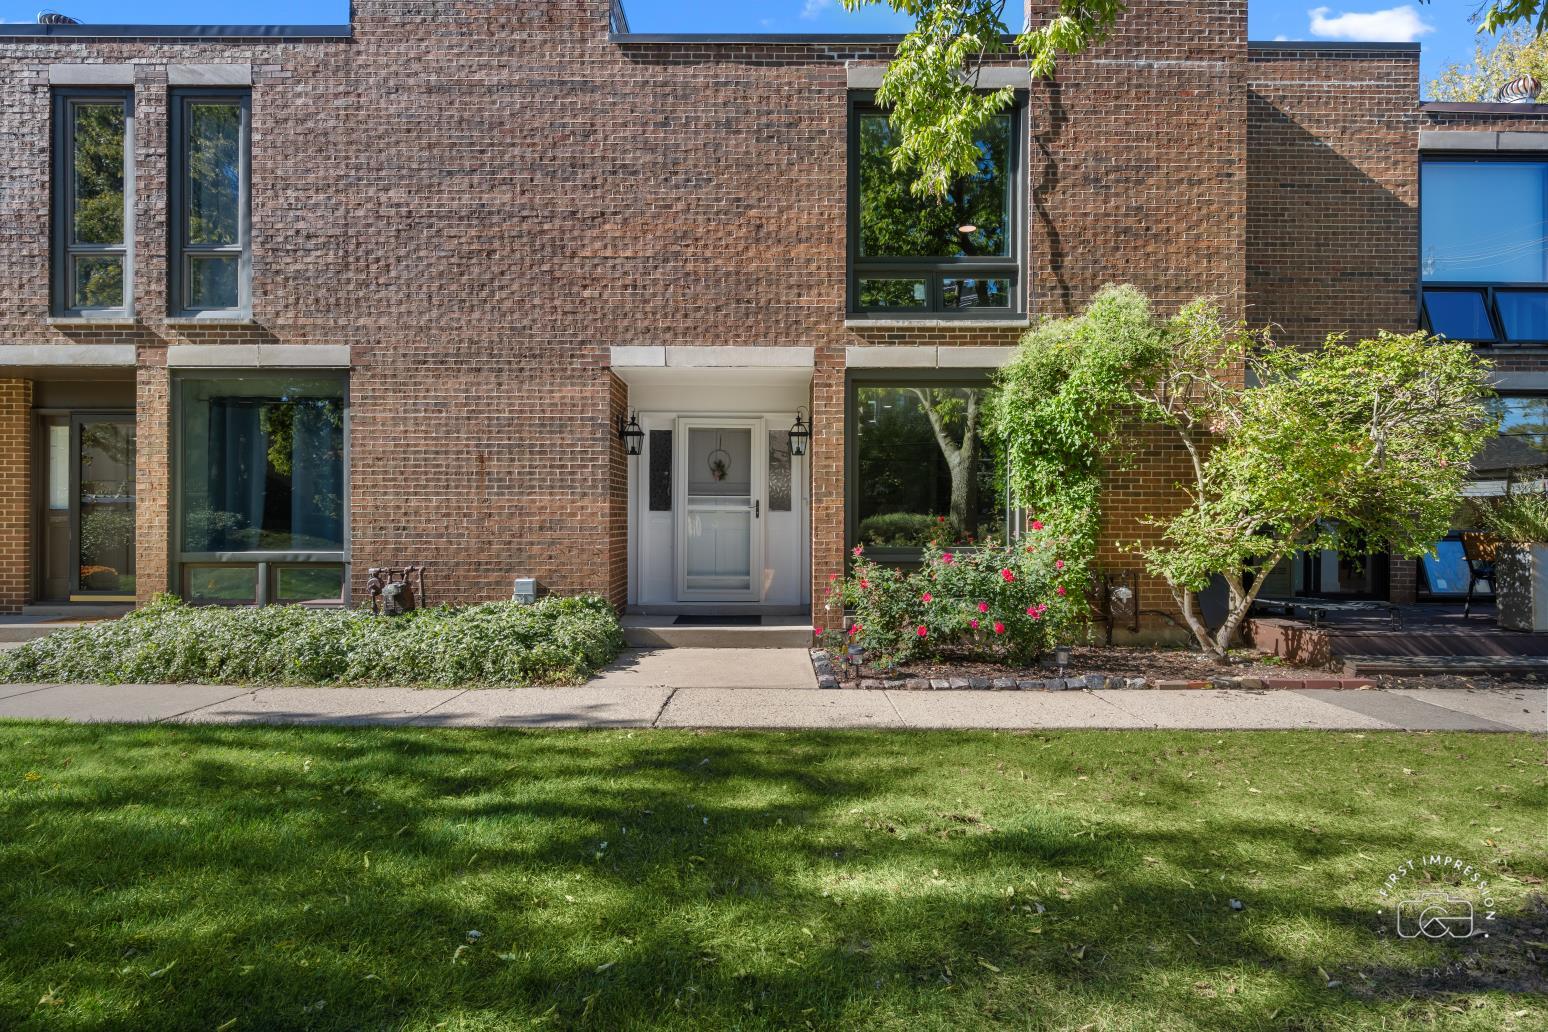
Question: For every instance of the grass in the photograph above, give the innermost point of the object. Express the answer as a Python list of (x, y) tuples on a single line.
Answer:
[(286, 878)]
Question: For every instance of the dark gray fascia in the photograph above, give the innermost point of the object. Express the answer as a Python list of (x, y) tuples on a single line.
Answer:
[(1325, 45)]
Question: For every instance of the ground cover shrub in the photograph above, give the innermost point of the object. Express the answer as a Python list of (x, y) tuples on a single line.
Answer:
[(1000, 603), (557, 640)]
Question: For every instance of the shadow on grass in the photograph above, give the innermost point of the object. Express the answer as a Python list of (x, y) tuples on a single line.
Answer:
[(326, 878)]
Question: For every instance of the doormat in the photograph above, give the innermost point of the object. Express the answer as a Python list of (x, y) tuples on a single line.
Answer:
[(753, 620)]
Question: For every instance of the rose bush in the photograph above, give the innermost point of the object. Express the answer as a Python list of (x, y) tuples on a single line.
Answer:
[(1002, 603)]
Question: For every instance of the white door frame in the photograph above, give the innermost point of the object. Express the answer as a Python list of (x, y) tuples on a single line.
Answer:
[(758, 488)]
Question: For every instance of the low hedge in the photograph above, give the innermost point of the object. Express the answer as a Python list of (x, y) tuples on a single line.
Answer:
[(555, 641)]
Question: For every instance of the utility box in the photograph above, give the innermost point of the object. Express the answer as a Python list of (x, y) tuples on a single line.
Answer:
[(527, 590)]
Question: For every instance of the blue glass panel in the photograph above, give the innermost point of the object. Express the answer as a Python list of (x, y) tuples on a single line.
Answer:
[(1458, 314), (1446, 570), (1484, 221), (1524, 314)]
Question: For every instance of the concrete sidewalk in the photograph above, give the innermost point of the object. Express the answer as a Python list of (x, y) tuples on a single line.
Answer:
[(617, 705)]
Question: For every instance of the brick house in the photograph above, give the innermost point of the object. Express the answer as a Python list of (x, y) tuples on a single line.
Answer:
[(278, 304)]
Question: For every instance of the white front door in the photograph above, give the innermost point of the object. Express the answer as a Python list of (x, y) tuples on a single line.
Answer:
[(720, 485)]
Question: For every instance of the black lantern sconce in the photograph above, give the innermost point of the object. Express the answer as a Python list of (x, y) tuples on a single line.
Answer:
[(800, 434), (630, 433)]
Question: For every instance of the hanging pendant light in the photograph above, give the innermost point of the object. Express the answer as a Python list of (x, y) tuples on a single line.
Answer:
[(800, 434)]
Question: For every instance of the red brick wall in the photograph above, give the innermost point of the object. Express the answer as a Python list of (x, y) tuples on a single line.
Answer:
[(483, 199), (1332, 192), (15, 494)]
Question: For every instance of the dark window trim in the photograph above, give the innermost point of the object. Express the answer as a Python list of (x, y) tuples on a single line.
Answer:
[(855, 379), (178, 251), (935, 270), (62, 208), (262, 559), (1490, 291), (1421, 318)]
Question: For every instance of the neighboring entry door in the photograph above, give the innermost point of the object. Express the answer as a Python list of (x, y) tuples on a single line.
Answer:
[(720, 480), (86, 527)]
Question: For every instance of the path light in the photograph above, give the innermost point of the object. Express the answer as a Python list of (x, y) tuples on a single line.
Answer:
[(856, 657), (1061, 657), (630, 433), (799, 434)]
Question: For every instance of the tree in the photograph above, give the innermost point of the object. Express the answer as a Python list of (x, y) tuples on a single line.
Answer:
[(931, 87), (960, 449), (1350, 446), (1518, 51), (1505, 14)]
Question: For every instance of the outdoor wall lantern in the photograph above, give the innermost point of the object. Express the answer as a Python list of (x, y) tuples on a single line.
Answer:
[(799, 434), (630, 433)]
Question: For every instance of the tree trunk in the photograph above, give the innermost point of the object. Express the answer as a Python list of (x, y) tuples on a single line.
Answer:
[(961, 459)]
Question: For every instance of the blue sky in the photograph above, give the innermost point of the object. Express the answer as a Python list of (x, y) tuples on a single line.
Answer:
[(1441, 26)]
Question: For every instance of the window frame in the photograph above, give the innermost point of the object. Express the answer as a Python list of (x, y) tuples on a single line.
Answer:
[(264, 560), (853, 381), (935, 271), (179, 251), (62, 203), (1490, 289)]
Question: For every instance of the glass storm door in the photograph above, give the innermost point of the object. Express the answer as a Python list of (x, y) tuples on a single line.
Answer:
[(720, 529)]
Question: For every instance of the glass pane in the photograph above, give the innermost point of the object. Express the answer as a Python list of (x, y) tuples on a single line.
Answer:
[(720, 509), (263, 464), (230, 584), (308, 584), (107, 507), (661, 471), (96, 281), (97, 172), (906, 494), (212, 281), (779, 470), (893, 293), (1446, 570), (972, 219), (976, 293), (1458, 314), (1484, 222), (1524, 314), (59, 466), (1523, 439), (213, 177)]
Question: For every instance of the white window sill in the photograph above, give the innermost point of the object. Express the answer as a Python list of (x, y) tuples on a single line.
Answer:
[(92, 320)]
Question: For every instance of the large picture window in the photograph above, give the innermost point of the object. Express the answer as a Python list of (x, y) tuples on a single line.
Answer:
[(92, 209), (261, 488), (1484, 249), (922, 468), (959, 256), (212, 258)]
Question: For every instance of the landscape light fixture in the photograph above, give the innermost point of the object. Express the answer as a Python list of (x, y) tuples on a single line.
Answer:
[(630, 433), (799, 434)]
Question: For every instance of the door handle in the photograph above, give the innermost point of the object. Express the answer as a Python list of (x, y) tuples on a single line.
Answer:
[(757, 508)]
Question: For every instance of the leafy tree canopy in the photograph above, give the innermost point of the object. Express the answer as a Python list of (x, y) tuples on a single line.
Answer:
[(931, 86), (1517, 51)]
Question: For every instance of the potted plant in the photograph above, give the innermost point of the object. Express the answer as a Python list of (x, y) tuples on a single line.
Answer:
[(1520, 520)]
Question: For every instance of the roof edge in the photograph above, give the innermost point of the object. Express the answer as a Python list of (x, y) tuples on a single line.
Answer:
[(1327, 46), (201, 32)]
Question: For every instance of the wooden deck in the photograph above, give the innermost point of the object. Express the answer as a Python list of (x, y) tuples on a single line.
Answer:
[(1337, 635)]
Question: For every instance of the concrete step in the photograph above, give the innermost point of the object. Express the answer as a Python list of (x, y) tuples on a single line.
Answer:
[(1370, 666), (36, 621), (657, 632)]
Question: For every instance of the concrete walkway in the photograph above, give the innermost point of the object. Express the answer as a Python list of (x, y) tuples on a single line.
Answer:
[(773, 688)]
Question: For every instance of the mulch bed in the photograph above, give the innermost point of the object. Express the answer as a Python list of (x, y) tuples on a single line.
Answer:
[(1127, 667)]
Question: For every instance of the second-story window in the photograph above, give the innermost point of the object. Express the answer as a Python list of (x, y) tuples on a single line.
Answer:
[(958, 256), (1484, 249), (93, 192), (211, 261)]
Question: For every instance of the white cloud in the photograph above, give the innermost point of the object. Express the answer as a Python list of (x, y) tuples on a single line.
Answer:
[(1281, 38), (814, 8), (1394, 25)]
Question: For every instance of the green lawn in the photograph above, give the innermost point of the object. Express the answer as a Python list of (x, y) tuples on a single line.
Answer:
[(260, 878)]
